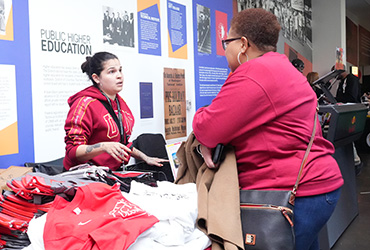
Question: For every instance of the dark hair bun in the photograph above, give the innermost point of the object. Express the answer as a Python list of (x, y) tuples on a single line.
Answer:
[(85, 67)]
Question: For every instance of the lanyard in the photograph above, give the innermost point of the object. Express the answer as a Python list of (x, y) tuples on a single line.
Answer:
[(120, 124)]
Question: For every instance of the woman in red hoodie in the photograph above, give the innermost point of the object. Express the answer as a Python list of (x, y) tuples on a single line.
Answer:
[(266, 111), (99, 122)]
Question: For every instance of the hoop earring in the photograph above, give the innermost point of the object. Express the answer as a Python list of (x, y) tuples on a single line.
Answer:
[(239, 57)]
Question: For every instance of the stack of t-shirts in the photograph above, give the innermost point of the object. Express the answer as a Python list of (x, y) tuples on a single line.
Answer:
[(15, 214), (29, 196), (102, 217)]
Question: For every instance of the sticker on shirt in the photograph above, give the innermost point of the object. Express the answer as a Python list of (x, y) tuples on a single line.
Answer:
[(112, 126), (126, 210)]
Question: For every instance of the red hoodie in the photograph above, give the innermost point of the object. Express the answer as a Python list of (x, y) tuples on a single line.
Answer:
[(89, 122), (266, 110)]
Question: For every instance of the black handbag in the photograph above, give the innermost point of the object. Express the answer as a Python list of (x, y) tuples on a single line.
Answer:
[(268, 216)]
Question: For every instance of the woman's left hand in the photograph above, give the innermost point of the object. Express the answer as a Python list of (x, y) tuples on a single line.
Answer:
[(207, 156), (154, 161)]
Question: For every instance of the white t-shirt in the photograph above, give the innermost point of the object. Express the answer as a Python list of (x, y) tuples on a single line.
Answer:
[(176, 208)]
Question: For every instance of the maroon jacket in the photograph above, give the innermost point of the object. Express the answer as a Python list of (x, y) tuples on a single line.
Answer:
[(89, 122)]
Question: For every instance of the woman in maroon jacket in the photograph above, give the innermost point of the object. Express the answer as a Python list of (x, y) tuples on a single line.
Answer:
[(99, 122)]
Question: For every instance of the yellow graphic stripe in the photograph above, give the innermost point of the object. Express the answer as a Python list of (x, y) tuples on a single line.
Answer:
[(9, 140), (9, 33), (144, 4), (181, 53)]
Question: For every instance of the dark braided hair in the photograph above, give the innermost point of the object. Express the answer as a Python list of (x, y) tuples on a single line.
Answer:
[(95, 64)]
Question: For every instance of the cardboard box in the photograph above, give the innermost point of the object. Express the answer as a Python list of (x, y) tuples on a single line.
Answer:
[(11, 173)]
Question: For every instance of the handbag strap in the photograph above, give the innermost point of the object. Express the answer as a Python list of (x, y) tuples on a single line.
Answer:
[(304, 161)]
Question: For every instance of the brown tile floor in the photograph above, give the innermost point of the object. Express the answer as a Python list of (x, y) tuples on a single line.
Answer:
[(357, 235)]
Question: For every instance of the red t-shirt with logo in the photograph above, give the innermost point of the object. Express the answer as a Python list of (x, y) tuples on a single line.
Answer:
[(98, 217)]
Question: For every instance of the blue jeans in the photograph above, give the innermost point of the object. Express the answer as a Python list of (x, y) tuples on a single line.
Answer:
[(310, 215)]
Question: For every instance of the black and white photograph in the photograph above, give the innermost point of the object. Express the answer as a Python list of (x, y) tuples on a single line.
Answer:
[(294, 17), (308, 21), (118, 27), (204, 29)]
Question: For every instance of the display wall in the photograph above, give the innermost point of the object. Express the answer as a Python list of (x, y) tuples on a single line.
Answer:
[(45, 42), (170, 52)]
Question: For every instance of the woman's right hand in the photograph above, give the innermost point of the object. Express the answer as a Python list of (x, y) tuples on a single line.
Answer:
[(117, 150)]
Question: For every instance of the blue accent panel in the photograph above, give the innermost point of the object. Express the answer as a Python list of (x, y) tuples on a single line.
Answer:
[(149, 31), (206, 56), (17, 53), (176, 28)]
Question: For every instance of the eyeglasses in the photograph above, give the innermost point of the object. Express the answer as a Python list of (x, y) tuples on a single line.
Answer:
[(227, 41)]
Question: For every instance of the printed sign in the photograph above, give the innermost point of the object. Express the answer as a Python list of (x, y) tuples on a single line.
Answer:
[(174, 103)]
